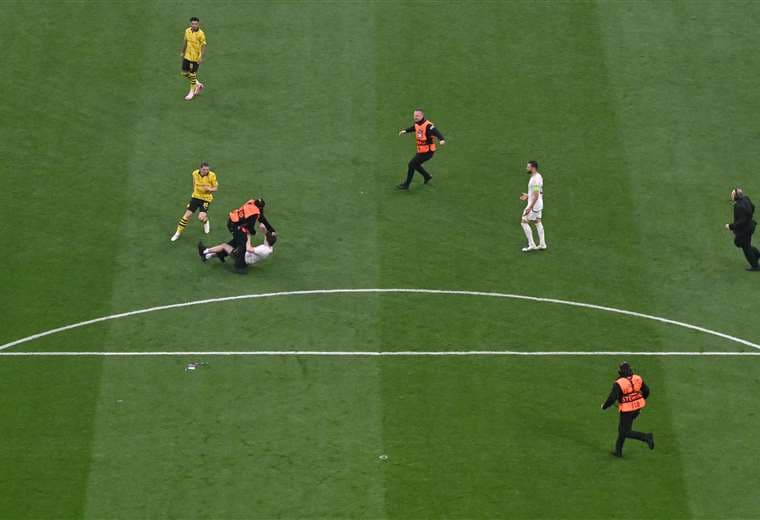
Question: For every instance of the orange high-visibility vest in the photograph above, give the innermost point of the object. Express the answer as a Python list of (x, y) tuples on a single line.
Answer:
[(244, 212), (420, 132), (631, 398)]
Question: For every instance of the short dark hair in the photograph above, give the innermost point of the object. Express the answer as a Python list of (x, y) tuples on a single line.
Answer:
[(260, 203), (534, 164), (271, 238), (204, 163), (418, 109), (194, 19), (625, 369)]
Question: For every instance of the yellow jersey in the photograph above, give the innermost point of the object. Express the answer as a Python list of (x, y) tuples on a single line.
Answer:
[(194, 41), (200, 182)]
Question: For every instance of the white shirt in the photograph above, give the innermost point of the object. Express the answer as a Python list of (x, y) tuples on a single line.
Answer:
[(536, 183), (260, 252)]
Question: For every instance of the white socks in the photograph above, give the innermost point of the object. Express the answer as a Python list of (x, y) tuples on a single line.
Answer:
[(529, 234), (541, 239)]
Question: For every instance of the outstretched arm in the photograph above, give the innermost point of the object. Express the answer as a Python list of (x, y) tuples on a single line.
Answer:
[(266, 223)]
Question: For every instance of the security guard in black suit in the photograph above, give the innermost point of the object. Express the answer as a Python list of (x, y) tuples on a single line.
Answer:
[(743, 227)]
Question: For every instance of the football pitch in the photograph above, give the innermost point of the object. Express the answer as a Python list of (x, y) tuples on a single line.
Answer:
[(398, 356)]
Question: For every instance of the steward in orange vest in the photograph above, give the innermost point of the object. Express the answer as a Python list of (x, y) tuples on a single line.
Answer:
[(424, 132), (631, 393), (242, 222)]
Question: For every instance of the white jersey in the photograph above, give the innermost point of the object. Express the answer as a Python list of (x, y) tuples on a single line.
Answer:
[(536, 184), (260, 252)]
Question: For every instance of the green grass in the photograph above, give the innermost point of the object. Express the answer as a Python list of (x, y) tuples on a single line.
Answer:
[(642, 116)]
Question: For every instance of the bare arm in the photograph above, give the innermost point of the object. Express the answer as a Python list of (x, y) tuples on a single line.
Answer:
[(248, 245), (203, 53), (184, 47), (533, 199)]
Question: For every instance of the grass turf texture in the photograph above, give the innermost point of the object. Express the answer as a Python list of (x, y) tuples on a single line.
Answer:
[(641, 125)]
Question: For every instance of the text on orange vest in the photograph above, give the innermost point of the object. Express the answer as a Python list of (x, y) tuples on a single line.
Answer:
[(420, 132), (631, 398)]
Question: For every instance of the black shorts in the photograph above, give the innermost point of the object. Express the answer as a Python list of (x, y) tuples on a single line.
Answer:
[(195, 204), (189, 66)]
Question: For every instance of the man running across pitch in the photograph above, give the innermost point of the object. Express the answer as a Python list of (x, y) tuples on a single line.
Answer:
[(424, 131)]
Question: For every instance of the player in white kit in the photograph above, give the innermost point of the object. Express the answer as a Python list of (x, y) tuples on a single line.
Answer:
[(253, 254), (534, 209)]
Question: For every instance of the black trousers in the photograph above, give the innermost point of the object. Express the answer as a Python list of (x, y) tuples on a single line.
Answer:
[(625, 430), (744, 242), (238, 242), (416, 165)]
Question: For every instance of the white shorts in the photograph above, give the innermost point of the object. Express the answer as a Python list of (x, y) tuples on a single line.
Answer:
[(533, 215)]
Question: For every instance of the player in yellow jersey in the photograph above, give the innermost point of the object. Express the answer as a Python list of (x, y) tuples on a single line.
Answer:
[(204, 187), (193, 52)]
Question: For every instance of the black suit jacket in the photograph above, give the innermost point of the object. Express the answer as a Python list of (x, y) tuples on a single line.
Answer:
[(743, 211)]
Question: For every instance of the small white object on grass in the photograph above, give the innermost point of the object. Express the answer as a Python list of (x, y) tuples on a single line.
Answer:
[(383, 457)]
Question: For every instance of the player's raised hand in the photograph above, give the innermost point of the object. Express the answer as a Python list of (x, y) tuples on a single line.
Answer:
[(401, 132)]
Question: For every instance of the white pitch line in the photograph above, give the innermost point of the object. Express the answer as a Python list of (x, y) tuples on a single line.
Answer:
[(405, 353), (383, 291)]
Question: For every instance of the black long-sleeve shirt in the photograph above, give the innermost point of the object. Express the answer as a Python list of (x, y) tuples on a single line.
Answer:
[(266, 223), (429, 133), (743, 212), (249, 224), (616, 393)]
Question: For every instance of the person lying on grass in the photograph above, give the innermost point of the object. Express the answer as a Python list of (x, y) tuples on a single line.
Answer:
[(253, 254)]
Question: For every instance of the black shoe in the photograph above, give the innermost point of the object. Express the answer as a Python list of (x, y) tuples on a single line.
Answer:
[(402, 186), (222, 256), (616, 454), (428, 179), (756, 268), (201, 248), (650, 440)]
